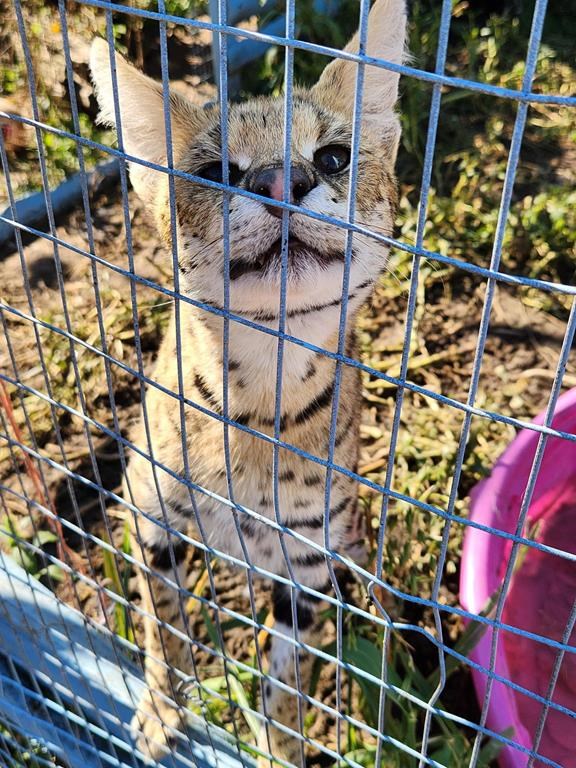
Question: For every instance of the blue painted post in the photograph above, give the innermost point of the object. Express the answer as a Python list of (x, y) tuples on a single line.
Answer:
[(243, 51), (31, 210), (94, 685)]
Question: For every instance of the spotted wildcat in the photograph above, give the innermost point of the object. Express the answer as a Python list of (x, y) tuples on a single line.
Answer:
[(321, 136)]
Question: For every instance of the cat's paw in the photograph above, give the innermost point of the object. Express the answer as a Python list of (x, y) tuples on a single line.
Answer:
[(156, 727), (278, 744)]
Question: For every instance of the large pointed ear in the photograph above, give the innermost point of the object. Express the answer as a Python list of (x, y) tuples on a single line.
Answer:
[(386, 40), (141, 106)]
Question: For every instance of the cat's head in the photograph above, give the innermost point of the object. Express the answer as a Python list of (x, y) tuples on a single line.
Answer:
[(321, 136)]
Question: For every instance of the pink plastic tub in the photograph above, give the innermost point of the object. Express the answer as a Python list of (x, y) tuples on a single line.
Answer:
[(541, 594)]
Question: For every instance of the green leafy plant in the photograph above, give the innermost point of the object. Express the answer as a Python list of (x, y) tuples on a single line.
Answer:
[(333, 28), (17, 541), (117, 578), (403, 716)]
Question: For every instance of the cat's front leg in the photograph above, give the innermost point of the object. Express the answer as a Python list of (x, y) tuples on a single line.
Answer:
[(290, 663), (167, 649)]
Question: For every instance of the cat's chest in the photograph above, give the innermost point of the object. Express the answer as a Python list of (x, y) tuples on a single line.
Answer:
[(240, 513)]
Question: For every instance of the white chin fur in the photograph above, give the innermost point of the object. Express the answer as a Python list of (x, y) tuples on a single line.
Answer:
[(313, 286), (309, 282)]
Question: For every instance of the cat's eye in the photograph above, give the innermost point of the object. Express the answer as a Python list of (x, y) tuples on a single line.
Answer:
[(332, 159), (213, 172)]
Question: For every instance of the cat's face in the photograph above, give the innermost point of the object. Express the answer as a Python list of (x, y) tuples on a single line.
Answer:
[(320, 160), (321, 146)]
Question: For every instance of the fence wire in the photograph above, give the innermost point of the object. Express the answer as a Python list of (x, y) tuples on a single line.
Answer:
[(85, 729)]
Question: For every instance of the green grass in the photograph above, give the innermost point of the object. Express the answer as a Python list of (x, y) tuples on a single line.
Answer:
[(449, 746), (117, 572)]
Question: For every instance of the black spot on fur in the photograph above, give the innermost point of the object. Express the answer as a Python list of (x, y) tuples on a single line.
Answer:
[(310, 371), (160, 556), (270, 422), (253, 529), (318, 520), (239, 267), (207, 393), (309, 560), (343, 432), (340, 507), (286, 477), (248, 526), (282, 608), (320, 401), (324, 589), (164, 602), (308, 522)]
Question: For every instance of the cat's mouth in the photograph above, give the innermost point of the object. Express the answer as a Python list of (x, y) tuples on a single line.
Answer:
[(300, 255)]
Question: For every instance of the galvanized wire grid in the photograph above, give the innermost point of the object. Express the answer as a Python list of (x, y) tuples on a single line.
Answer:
[(118, 751)]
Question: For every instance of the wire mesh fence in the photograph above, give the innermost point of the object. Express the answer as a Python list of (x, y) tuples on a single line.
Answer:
[(218, 609)]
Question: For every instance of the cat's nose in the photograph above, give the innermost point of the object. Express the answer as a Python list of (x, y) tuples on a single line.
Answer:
[(269, 182)]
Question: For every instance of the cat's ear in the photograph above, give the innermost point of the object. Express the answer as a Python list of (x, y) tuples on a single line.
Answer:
[(142, 119), (386, 40)]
